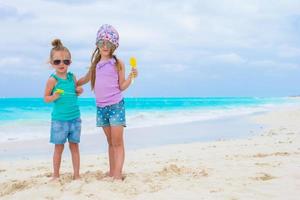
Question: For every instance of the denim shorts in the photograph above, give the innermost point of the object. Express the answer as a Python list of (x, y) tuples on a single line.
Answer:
[(63, 130), (112, 115)]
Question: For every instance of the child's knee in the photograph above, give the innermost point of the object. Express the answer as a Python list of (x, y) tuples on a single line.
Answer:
[(73, 146), (117, 144)]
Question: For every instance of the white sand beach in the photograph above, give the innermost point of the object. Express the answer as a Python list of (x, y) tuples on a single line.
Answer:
[(262, 167)]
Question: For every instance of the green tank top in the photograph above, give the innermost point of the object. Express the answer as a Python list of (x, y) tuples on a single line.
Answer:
[(65, 107)]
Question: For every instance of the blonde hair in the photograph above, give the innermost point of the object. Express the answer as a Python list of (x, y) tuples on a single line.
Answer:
[(96, 57), (58, 46)]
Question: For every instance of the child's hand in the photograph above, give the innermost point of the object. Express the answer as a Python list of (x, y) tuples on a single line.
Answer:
[(56, 95), (134, 72), (79, 90)]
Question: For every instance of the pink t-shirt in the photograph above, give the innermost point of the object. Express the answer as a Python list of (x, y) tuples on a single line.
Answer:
[(107, 88)]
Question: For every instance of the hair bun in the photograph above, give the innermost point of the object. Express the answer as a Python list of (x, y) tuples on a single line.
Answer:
[(56, 43)]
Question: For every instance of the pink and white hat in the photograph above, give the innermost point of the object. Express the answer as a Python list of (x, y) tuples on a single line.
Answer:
[(108, 32)]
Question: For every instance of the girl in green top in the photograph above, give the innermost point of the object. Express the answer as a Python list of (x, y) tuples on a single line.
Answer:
[(65, 123)]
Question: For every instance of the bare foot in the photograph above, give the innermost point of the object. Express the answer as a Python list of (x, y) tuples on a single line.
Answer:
[(54, 178), (77, 177), (108, 174), (119, 178)]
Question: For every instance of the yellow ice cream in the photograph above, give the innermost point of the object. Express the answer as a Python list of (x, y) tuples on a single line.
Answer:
[(132, 62)]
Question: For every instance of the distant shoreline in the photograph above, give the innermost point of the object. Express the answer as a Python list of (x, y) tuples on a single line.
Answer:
[(139, 138)]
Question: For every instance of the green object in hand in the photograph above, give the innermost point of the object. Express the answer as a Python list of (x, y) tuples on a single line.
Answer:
[(59, 91)]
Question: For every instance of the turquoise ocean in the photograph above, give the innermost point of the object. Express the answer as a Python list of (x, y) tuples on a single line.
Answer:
[(29, 118)]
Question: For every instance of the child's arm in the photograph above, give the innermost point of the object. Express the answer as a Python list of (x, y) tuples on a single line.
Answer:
[(78, 89), (124, 83), (49, 87), (84, 79)]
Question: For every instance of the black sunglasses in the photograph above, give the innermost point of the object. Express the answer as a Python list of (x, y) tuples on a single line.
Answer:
[(57, 62)]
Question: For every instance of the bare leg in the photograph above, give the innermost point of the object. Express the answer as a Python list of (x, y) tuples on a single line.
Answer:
[(74, 148), (118, 149), (58, 149), (107, 131)]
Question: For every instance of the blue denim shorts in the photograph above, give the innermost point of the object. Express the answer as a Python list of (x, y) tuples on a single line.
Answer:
[(63, 130), (112, 115)]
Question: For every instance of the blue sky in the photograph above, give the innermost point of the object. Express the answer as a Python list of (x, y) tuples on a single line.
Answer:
[(196, 48)]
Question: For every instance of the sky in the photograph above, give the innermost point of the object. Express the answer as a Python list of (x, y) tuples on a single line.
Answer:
[(192, 48)]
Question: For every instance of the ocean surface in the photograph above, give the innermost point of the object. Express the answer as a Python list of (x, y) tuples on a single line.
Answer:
[(29, 118)]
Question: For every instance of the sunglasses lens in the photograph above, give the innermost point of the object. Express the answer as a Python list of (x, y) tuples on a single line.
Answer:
[(100, 43), (67, 62), (56, 62), (108, 44)]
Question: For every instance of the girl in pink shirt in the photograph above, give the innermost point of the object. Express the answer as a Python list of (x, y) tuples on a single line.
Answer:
[(107, 76)]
